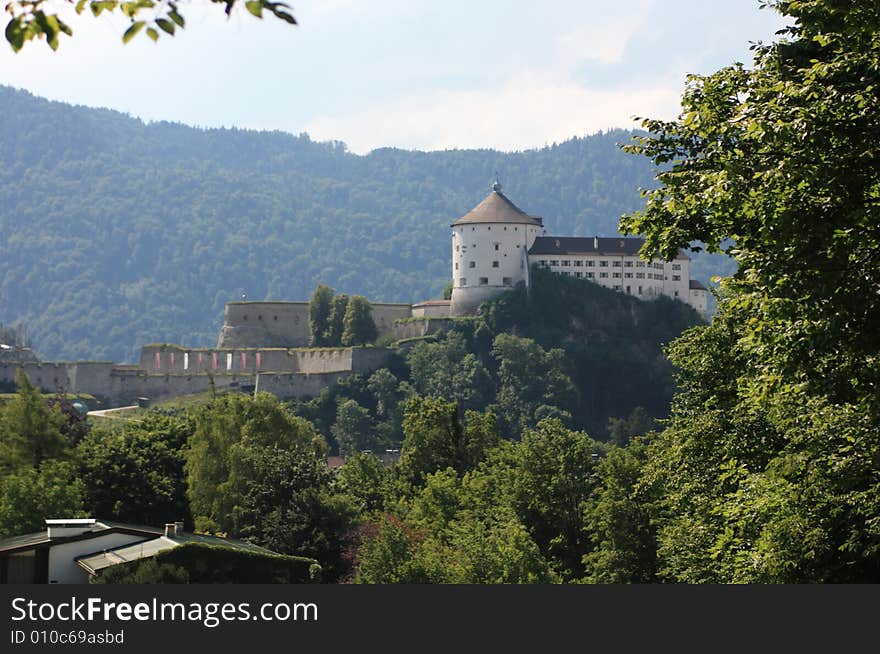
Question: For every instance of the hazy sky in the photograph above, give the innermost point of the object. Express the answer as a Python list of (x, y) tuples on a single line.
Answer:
[(407, 73)]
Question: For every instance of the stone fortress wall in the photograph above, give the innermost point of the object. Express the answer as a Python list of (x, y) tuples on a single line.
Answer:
[(261, 347), (168, 371), (286, 324)]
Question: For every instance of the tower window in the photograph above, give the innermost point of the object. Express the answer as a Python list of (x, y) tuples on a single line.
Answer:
[(456, 265), (507, 281), (496, 247), (462, 281), (484, 281), (472, 264), (494, 264)]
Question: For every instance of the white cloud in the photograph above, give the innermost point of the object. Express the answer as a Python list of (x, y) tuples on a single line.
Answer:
[(530, 110), (604, 42)]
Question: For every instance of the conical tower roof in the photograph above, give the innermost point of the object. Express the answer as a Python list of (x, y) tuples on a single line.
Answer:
[(497, 208)]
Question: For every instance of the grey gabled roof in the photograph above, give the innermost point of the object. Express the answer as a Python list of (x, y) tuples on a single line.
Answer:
[(614, 245), (497, 208)]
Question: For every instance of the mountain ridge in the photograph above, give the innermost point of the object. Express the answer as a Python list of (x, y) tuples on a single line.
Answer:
[(121, 232)]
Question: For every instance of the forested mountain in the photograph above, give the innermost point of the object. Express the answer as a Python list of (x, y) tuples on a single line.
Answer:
[(114, 233)]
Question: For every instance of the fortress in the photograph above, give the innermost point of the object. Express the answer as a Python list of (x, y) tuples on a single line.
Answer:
[(263, 345)]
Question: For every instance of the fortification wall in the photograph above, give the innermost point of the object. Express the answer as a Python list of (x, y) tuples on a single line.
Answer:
[(265, 324), (289, 385), (174, 359), (91, 377), (384, 315), (286, 324), (417, 328), (51, 377)]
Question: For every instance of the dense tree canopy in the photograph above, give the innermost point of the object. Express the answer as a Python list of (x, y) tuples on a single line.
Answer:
[(768, 470)]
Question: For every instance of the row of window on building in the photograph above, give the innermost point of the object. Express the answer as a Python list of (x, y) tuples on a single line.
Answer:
[(617, 275), (484, 281), (497, 246), (602, 263)]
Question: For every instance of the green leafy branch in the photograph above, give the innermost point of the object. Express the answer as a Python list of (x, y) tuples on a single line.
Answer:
[(30, 19)]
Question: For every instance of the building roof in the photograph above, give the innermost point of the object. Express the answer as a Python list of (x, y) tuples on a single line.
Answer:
[(24, 541), (497, 208), (694, 284), (93, 563), (432, 303), (98, 528), (616, 245)]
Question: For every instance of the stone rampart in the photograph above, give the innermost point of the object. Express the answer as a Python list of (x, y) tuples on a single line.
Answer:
[(286, 324)]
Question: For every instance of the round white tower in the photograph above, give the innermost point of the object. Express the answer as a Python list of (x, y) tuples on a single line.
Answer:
[(490, 247)]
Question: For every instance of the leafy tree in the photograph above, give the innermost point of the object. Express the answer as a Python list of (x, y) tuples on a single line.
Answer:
[(366, 480), (336, 321), (353, 429), (767, 470), (225, 433), (552, 478), (256, 471), (394, 552), (637, 423), (32, 495), (358, 327), (31, 431), (436, 438), (530, 377), (287, 505), (136, 474), (620, 519), (30, 19), (447, 370), (320, 308), (776, 165)]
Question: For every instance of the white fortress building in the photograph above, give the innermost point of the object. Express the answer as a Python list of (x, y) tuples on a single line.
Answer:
[(495, 244)]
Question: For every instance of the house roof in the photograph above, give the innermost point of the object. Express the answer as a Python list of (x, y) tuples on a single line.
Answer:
[(99, 528), (696, 285), (24, 541), (615, 245), (432, 303), (497, 208), (93, 563)]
